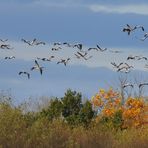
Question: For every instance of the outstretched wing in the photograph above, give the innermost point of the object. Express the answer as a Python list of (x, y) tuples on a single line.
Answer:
[(37, 63)]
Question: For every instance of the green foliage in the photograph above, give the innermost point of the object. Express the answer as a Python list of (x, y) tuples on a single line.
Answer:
[(72, 103), (70, 108), (86, 113), (54, 110), (114, 122), (74, 111), (35, 130), (117, 120)]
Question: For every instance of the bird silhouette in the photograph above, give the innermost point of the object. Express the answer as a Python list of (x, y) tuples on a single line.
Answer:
[(124, 69), (101, 49), (5, 40), (115, 65), (127, 85), (27, 42), (39, 43), (37, 67), (142, 84), (57, 43), (33, 42), (5, 46), (56, 49), (130, 29), (24, 72), (79, 46), (11, 57), (140, 58), (64, 61), (46, 59), (66, 43), (132, 57), (93, 48), (144, 37)]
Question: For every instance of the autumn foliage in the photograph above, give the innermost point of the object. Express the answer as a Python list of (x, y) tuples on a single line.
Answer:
[(71, 121), (111, 109)]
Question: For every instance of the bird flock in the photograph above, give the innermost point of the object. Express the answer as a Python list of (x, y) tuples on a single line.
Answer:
[(81, 53)]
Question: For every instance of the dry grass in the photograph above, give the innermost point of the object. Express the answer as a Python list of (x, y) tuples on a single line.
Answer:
[(30, 131)]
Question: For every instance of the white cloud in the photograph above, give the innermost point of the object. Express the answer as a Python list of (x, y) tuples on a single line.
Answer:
[(141, 9), (100, 59)]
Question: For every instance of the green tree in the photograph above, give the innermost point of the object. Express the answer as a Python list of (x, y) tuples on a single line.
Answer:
[(74, 111), (54, 110), (72, 103), (70, 108), (86, 114)]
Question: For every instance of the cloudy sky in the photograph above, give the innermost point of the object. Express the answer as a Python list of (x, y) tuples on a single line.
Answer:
[(89, 22)]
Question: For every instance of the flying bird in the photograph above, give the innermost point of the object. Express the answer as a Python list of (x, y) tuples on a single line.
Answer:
[(43, 59), (127, 85), (144, 37), (5, 46), (57, 43), (27, 42), (64, 61), (93, 48), (79, 55), (3, 40), (82, 55), (79, 46), (46, 59), (33, 42), (37, 67), (39, 43), (24, 72), (140, 58), (132, 57), (130, 29), (101, 49), (115, 65), (11, 57), (125, 68), (65, 43), (142, 84), (56, 49)]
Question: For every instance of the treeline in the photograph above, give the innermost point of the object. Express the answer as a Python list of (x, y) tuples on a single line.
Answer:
[(67, 122)]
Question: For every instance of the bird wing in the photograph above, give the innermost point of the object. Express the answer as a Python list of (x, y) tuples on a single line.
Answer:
[(99, 47), (20, 72), (37, 63), (28, 75), (32, 68), (80, 54), (128, 26), (41, 71)]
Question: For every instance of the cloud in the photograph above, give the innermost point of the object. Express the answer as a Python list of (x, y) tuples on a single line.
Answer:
[(100, 59), (121, 9), (95, 6)]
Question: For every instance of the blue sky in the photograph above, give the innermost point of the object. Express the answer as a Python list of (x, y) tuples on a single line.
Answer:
[(89, 22)]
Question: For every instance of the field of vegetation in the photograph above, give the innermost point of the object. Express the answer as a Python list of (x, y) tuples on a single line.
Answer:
[(104, 121)]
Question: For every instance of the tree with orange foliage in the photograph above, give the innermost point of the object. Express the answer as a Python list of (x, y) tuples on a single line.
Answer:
[(110, 109)]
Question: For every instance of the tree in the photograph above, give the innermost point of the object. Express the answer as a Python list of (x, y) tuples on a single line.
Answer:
[(70, 108), (86, 114), (72, 103), (54, 110)]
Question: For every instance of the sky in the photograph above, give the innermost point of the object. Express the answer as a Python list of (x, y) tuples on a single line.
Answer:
[(89, 22)]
